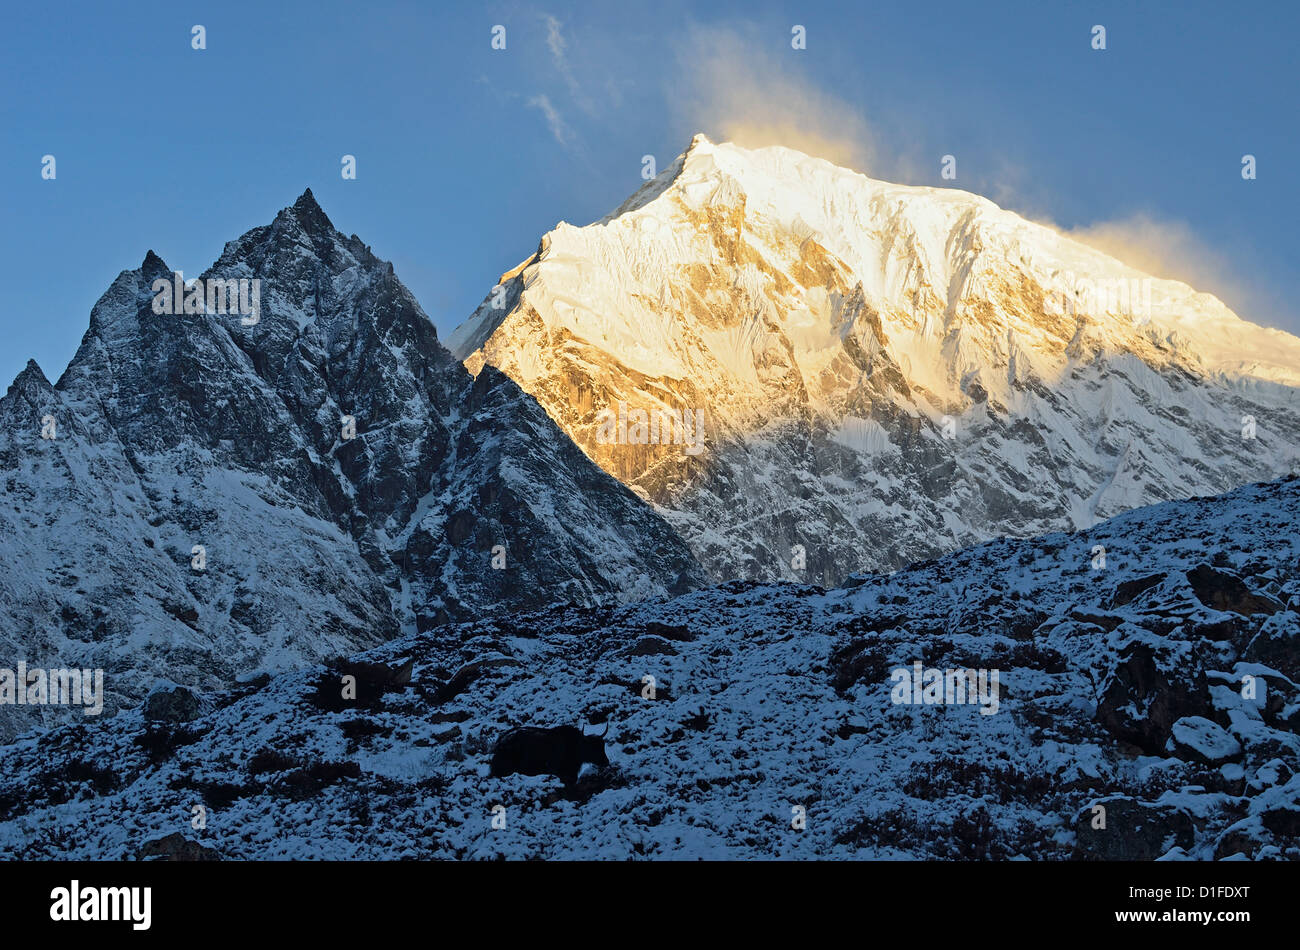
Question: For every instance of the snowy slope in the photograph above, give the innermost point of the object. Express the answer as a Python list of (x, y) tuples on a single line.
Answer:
[(194, 429), (887, 372), (1121, 687)]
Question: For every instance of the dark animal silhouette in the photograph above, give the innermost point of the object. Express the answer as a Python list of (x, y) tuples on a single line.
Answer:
[(559, 751)]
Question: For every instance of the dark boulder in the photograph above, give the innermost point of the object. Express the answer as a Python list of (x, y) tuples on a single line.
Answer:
[(679, 633), (1128, 591), (651, 646), (1150, 689), (175, 704), (1222, 590), (1131, 831), (1277, 644), (176, 847)]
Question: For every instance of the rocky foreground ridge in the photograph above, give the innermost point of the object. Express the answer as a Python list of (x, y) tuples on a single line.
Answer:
[(1159, 683)]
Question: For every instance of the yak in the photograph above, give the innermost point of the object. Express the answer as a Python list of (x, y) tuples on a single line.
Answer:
[(558, 751)]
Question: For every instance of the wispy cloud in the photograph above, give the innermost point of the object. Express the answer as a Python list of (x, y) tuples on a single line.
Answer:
[(559, 48), (555, 43), (501, 97), (559, 129)]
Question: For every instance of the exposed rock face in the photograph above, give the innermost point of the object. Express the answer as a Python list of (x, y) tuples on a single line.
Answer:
[(1225, 591), (175, 432), (176, 847), (730, 707), (886, 373), (1277, 644), (174, 705), (1150, 688), (1149, 830)]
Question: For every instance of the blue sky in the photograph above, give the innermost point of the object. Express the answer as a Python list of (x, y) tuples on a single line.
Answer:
[(467, 155)]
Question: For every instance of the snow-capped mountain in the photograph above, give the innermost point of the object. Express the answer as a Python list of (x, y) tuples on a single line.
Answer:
[(884, 373), (205, 494), (1145, 706)]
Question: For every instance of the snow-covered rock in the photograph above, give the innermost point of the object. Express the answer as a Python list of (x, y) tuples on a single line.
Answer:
[(1199, 738)]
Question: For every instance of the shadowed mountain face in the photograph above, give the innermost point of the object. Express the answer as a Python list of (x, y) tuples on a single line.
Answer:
[(886, 373), (209, 494)]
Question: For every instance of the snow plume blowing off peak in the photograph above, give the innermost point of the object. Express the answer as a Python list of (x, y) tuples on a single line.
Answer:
[(729, 84), (734, 86), (885, 372)]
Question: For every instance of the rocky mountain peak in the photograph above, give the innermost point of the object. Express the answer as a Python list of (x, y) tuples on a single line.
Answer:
[(344, 477), (31, 379), (153, 266), (308, 212)]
